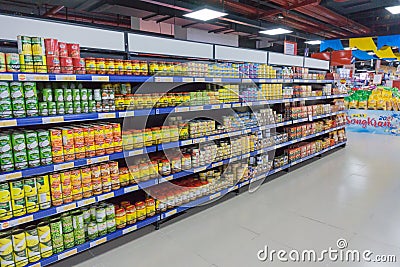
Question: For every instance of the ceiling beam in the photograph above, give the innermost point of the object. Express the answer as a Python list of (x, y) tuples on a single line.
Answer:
[(164, 19), (150, 16)]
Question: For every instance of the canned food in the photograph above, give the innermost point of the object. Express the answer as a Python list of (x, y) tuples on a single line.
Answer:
[(77, 220), (52, 108), (79, 236), (12, 62), (86, 215), (69, 108), (3, 62), (5, 202), (60, 106), (43, 109), (77, 107), (69, 240), (56, 235), (43, 189), (47, 95), (102, 228), (6, 155), (37, 46), (32, 243), (45, 156), (44, 233), (92, 231), (19, 247), (5, 108), (26, 63), (56, 190), (66, 221), (100, 214), (6, 249), (111, 227), (32, 204)]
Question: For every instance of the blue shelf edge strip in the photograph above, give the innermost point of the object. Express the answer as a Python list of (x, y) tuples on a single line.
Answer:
[(142, 185), (154, 219), (138, 78)]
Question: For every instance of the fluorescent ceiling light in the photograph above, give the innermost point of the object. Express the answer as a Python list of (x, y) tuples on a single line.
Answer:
[(314, 42), (205, 14), (276, 31), (393, 9), (371, 53)]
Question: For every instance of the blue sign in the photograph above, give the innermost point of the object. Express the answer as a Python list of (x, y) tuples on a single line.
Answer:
[(373, 121)]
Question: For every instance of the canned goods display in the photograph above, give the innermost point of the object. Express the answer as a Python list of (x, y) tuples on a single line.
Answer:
[(19, 247), (32, 243)]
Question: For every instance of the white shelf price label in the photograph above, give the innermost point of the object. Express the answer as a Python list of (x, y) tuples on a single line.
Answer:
[(164, 79), (135, 152), (8, 123), (247, 80), (200, 169), (186, 142), (107, 115), (65, 77), (170, 213), (166, 179), (22, 220), (233, 188), (182, 109), (105, 196), (10, 176), (101, 78), (130, 229), (131, 189), (196, 108), (237, 105), (86, 202), (56, 119), (199, 79), (216, 164), (217, 80), (127, 114), (226, 105), (6, 77), (98, 160), (215, 195), (66, 208), (67, 254), (187, 80), (64, 166), (98, 242), (215, 106)]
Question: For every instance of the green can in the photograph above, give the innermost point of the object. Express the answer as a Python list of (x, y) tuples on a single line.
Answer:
[(60, 108), (84, 94), (4, 90), (16, 90), (6, 152), (77, 220), (77, 107), (66, 220), (68, 95), (20, 160), (32, 109), (101, 214), (32, 243), (52, 107), (102, 228), (93, 232), (43, 109), (86, 215), (33, 157), (76, 95), (85, 106), (92, 106), (45, 156), (111, 227), (43, 138), (69, 240), (93, 212), (110, 211), (56, 235), (18, 108), (5, 108), (30, 90), (69, 107), (79, 236), (32, 145), (59, 95), (89, 94), (47, 95)]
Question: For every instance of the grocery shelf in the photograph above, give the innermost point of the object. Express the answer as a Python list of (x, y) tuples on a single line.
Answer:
[(94, 243), (30, 121), (73, 164), (42, 77), (75, 204)]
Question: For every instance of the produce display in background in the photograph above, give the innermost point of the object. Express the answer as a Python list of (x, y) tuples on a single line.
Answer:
[(382, 98)]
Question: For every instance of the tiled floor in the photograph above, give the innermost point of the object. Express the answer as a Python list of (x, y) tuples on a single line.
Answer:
[(352, 194)]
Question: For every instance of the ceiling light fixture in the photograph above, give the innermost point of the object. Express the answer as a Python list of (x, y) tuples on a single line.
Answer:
[(276, 31), (205, 14), (371, 53), (393, 9), (280, 16), (314, 42)]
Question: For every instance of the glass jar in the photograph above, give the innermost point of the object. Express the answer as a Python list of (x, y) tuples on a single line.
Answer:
[(144, 69), (140, 210), (186, 162), (156, 132), (165, 134), (150, 207), (119, 66), (148, 137), (144, 171), (183, 131), (110, 66), (100, 66), (128, 67), (176, 165), (90, 63), (170, 201), (164, 167), (174, 133), (135, 67), (153, 68), (120, 218), (127, 141), (124, 176), (137, 138), (119, 102), (154, 169), (130, 214), (161, 204), (134, 174)]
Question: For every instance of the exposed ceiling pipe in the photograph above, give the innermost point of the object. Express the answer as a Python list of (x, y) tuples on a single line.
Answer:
[(89, 20), (52, 11)]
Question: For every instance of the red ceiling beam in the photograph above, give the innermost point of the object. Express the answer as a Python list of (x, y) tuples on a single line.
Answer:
[(303, 3), (52, 11)]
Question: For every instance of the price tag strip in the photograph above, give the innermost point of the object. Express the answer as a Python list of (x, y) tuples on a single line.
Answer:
[(105, 196), (131, 189), (8, 123)]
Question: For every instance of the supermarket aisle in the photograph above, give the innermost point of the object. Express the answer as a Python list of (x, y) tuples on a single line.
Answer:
[(352, 194)]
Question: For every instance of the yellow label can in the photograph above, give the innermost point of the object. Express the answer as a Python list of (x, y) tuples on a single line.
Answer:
[(46, 249), (6, 250), (32, 243), (19, 246)]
